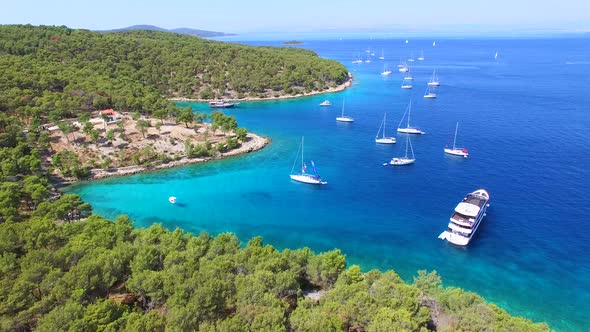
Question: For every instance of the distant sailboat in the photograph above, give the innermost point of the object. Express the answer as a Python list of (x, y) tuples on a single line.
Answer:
[(303, 176), (358, 59), (406, 159), (383, 139), (463, 152), (382, 57), (408, 129), (421, 57), (433, 43), (496, 56), (411, 58), (344, 118), (434, 80), (428, 93), (386, 71), (406, 84), (325, 103)]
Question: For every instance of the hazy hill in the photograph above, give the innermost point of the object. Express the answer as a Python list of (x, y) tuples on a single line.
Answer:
[(182, 31)]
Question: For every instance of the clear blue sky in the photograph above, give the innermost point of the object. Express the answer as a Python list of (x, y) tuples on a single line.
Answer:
[(300, 15)]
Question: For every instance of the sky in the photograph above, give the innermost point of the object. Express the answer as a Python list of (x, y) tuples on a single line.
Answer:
[(240, 16)]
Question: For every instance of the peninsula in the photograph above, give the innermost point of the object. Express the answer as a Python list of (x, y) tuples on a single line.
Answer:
[(115, 144)]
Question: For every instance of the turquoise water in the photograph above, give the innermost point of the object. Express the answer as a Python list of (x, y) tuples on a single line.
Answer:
[(524, 119)]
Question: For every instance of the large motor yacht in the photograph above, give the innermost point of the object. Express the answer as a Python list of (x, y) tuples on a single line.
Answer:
[(467, 218)]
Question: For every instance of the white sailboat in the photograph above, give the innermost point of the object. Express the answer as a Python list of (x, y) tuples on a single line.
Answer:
[(386, 71), (406, 84), (411, 58), (383, 139), (344, 118), (406, 159), (357, 59), (434, 80), (404, 69), (462, 152), (325, 103), (408, 129), (421, 57), (408, 77), (496, 56), (382, 57), (303, 176), (428, 93)]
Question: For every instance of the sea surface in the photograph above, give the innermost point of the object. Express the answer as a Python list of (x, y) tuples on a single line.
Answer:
[(525, 118)]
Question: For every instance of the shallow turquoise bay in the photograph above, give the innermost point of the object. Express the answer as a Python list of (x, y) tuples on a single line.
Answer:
[(524, 119)]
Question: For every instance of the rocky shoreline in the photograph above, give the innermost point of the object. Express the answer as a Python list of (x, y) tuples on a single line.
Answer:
[(341, 87), (253, 143)]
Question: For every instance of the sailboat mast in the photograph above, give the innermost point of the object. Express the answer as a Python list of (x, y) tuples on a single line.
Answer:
[(342, 107), (407, 140), (302, 137), (455, 139), (384, 116), (409, 112)]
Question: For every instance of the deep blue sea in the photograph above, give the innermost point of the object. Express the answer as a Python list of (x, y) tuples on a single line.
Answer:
[(524, 117)]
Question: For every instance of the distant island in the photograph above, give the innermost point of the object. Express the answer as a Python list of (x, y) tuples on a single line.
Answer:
[(182, 31), (292, 42)]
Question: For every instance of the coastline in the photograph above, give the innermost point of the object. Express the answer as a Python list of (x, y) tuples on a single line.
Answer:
[(253, 143), (339, 88)]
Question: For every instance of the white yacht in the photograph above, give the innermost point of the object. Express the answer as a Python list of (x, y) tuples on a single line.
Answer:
[(406, 84), (404, 69), (344, 118), (304, 176), (406, 159), (326, 103), (455, 151), (407, 129), (434, 80), (467, 218), (386, 71), (429, 93), (383, 139)]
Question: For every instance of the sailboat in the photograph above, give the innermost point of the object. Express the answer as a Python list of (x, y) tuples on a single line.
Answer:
[(343, 118), (303, 176), (404, 68), (455, 150), (383, 139), (421, 57), (406, 84), (408, 129), (386, 70), (496, 56), (405, 160), (358, 59), (408, 77), (411, 58), (434, 80), (428, 93), (382, 57)]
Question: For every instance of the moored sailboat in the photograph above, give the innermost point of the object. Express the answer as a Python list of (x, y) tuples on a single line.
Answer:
[(434, 80), (406, 159), (408, 129), (303, 176), (383, 139), (463, 152), (344, 118), (429, 93)]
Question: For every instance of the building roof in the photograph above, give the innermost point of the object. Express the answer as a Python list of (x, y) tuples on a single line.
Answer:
[(110, 112)]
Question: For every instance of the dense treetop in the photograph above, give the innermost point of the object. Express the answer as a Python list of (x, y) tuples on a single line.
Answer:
[(63, 71)]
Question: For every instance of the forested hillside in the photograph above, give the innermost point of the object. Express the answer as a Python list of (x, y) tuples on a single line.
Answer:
[(64, 71), (99, 275)]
